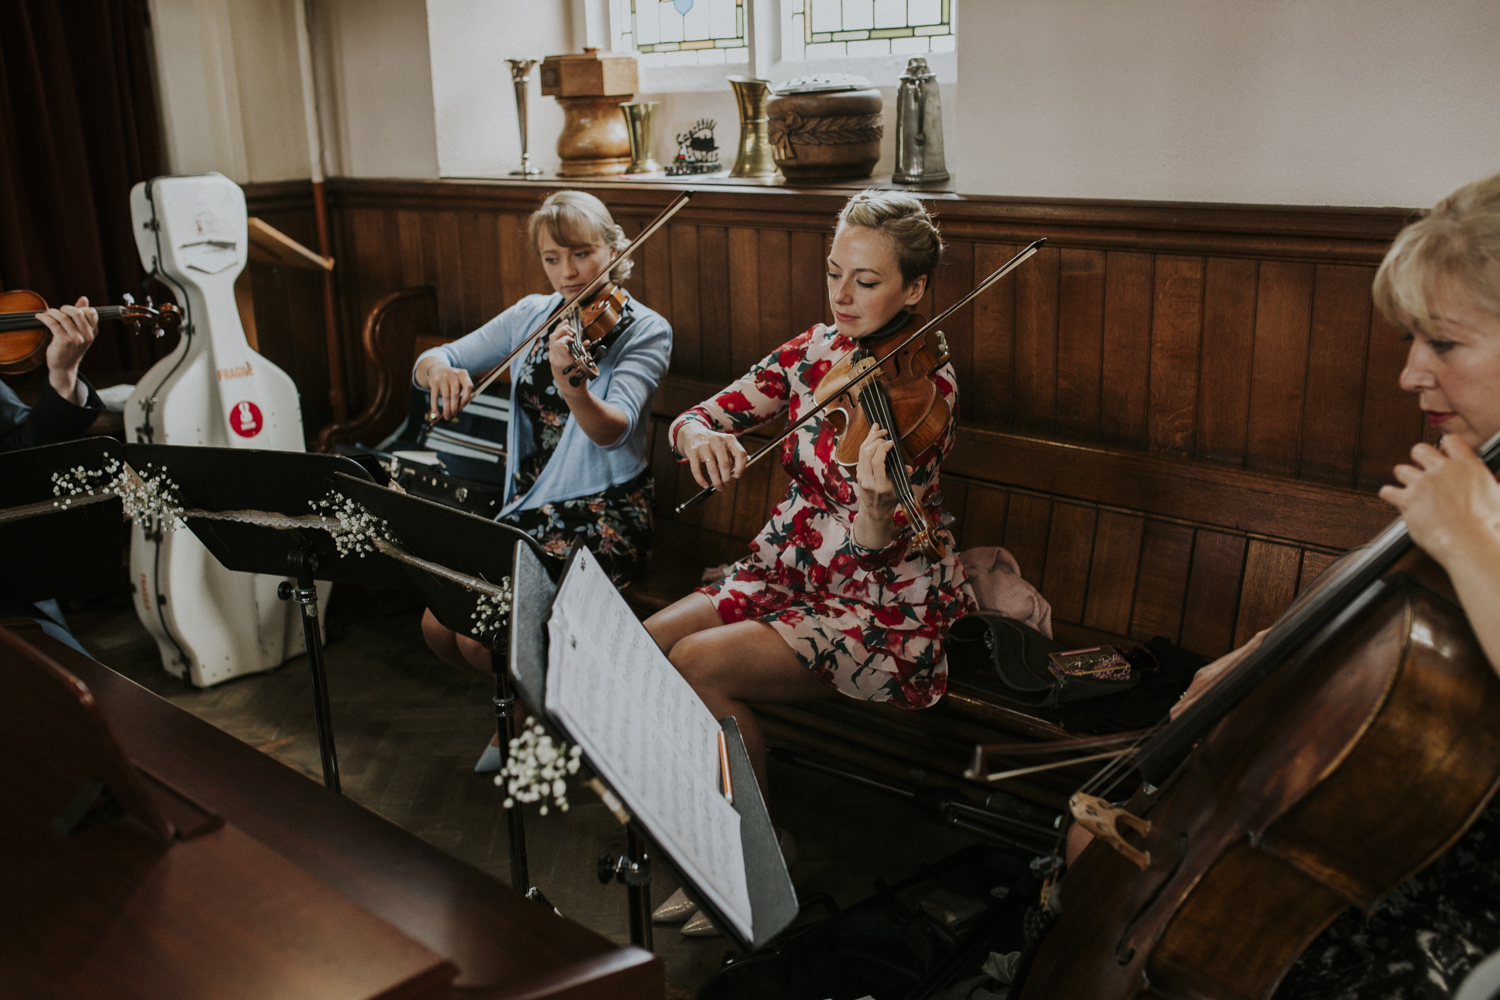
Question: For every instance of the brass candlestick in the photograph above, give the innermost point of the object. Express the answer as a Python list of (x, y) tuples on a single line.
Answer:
[(755, 156), (520, 76), (640, 117)]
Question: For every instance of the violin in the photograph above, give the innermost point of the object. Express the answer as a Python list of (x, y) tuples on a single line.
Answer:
[(896, 391), (903, 371), (24, 338), (591, 323), (1342, 756)]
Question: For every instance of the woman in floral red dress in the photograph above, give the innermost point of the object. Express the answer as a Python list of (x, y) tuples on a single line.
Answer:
[(832, 597)]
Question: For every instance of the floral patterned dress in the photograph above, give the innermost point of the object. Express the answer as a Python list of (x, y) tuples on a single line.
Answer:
[(615, 524), (869, 622)]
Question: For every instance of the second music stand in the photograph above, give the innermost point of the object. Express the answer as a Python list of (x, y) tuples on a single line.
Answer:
[(449, 544), (251, 482)]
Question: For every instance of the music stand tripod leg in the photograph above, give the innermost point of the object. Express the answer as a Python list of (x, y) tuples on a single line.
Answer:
[(303, 563), (638, 894), (505, 725)]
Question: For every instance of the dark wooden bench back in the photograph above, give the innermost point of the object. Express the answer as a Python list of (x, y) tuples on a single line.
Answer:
[(1174, 415)]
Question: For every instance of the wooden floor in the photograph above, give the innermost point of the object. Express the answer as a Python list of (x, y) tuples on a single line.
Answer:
[(409, 729)]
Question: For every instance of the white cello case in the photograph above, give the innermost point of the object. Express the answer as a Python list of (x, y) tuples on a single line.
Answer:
[(210, 624)]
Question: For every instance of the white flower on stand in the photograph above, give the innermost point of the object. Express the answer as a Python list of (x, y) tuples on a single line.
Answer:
[(146, 497), (492, 611), (537, 768), (358, 529)]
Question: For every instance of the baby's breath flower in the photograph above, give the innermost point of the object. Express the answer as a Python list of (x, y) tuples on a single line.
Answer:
[(358, 529), (527, 777)]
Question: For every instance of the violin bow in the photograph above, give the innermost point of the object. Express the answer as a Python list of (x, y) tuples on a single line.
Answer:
[(583, 294), (854, 382)]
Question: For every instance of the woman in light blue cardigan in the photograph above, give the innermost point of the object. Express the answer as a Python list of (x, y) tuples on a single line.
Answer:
[(576, 456)]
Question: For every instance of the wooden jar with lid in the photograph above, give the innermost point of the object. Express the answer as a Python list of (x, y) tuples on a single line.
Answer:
[(594, 141)]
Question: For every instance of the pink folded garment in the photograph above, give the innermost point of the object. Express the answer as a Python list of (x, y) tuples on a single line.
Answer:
[(998, 585)]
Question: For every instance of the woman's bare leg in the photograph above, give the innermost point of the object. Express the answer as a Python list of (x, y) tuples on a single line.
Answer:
[(728, 665)]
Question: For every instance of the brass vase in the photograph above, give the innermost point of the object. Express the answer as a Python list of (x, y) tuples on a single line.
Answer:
[(640, 120), (755, 158), (520, 76)]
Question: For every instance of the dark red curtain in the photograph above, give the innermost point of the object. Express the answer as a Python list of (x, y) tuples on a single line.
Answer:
[(78, 128)]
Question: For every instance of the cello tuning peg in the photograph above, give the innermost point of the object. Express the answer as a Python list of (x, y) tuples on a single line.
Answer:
[(129, 299)]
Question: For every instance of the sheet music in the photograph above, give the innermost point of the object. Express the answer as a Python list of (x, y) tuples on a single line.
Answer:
[(645, 732)]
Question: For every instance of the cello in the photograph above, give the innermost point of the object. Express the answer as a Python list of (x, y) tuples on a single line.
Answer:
[(1342, 756)]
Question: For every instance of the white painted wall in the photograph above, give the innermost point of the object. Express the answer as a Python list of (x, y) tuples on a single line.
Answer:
[(1320, 102), (375, 82), (474, 103), (230, 93)]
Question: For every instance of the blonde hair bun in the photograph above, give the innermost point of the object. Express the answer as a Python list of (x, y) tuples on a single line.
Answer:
[(903, 221)]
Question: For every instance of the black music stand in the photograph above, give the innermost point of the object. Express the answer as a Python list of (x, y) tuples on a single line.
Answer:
[(773, 900), (57, 552), (449, 539), (284, 483)]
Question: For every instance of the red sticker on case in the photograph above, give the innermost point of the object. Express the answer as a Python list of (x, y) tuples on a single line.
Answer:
[(245, 419)]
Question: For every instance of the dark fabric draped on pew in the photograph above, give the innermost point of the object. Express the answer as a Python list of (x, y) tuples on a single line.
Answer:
[(79, 127)]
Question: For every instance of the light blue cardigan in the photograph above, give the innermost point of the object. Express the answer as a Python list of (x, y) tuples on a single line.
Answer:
[(628, 377)]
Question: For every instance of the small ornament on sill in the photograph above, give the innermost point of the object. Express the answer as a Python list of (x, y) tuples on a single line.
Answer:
[(697, 152)]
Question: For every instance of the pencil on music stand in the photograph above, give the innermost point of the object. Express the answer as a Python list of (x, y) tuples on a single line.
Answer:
[(724, 769)]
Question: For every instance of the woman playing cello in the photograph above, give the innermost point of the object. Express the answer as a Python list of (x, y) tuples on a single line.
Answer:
[(1440, 283)]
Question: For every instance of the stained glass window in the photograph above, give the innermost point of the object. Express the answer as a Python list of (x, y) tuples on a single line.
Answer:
[(869, 27), (683, 32)]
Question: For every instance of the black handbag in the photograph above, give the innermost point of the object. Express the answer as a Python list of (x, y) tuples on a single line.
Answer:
[(988, 644)]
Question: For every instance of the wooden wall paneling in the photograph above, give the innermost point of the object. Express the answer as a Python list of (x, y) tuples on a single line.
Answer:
[(809, 284), (1390, 420), (713, 303), (510, 240), (1228, 346), (985, 514), (1336, 361), (1313, 563), (657, 281), (987, 398), (1270, 583), (777, 325), (1070, 543), (1176, 329), (1128, 283), (664, 471), (687, 329), (450, 256), (1283, 319), (1112, 572), (1211, 605), (1027, 529), (1161, 583), (414, 269), (1080, 336), (953, 280), (1035, 408), (744, 300)]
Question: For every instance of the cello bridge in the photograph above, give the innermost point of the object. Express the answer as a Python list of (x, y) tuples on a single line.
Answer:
[(1102, 820)]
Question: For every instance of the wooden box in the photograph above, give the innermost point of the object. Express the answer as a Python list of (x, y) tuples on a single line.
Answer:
[(588, 74)]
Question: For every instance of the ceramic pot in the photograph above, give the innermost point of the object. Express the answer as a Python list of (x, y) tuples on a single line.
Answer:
[(823, 136)]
